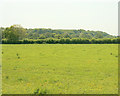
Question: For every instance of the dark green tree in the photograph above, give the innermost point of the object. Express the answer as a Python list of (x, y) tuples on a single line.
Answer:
[(14, 33)]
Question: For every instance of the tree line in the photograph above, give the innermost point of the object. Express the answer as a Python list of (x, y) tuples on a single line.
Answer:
[(64, 41), (16, 34)]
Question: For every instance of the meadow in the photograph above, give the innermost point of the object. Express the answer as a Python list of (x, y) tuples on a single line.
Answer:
[(59, 68)]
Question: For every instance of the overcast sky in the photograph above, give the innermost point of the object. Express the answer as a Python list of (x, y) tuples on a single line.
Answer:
[(95, 15)]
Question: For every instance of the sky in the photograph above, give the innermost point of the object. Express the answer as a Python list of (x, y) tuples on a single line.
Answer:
[(97, 15)]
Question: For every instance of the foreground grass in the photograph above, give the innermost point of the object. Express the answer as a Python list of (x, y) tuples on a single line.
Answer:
[(60, 69)]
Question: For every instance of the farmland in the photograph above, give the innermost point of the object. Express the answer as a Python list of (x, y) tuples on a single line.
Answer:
[(60, 68)]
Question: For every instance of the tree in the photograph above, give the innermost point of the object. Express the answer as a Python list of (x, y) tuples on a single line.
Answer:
[(99, 35), (14, 33), (66, 35), (87, 36)]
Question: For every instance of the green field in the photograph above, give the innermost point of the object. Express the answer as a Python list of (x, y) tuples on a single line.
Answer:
[(60, 69)]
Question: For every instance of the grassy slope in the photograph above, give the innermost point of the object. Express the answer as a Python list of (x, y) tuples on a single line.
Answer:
[(60, 68)]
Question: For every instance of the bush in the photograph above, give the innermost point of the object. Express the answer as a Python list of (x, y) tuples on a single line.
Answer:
[(64, 41)]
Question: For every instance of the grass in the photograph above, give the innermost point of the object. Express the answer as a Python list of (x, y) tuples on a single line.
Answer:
[(60, 69)]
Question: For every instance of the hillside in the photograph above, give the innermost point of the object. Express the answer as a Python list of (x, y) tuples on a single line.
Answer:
[(42, 33), (60, 33)]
